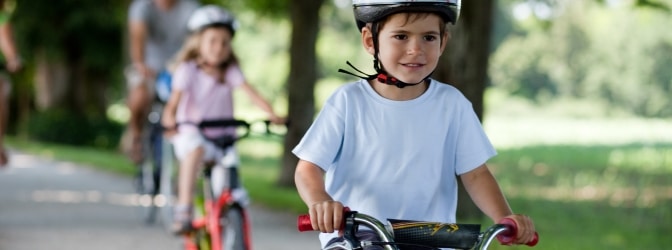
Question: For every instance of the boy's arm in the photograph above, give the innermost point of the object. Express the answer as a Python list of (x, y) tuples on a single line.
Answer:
[(326, 214), (486, 194)]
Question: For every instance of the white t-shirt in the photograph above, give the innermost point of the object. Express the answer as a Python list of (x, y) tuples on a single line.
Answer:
[(203, 97), (396, 159)]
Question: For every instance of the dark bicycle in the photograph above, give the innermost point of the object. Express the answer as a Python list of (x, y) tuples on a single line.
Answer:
[(416, 235)]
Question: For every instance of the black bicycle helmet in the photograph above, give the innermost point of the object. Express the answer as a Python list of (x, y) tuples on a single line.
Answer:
[(370, 11)]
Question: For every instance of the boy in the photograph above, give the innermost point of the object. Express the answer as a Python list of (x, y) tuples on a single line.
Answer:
[(392, 144)]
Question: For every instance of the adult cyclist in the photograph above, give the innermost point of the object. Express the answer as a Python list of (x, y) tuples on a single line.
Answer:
[(157, 29), (12, 64)]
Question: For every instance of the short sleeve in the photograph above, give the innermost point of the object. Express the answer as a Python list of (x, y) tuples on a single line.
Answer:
[(139, 10), (182, 75), (234, 76), (473, 146)]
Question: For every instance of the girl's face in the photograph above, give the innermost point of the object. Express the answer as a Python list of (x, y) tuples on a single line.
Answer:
[(409, 45), (215, 45)]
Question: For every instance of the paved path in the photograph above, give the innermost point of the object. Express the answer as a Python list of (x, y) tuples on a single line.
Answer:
[(61, 206)]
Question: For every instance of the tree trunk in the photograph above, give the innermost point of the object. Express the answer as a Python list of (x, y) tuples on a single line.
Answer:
[(301, 81), (51, 82), (464, 65)]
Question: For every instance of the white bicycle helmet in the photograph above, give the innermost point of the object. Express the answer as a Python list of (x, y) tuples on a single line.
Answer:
[(210, 15), (369, 11)]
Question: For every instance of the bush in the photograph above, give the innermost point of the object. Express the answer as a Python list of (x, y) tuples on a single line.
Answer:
[(59, 126)]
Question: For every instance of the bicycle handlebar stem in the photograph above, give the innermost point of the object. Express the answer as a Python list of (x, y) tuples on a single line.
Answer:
[(486, 238), (375, 225)]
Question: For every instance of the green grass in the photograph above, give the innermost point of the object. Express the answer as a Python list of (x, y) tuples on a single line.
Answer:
[(591, 197), (592, 194)]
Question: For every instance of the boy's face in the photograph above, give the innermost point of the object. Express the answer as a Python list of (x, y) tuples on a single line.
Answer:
[(409, 45)]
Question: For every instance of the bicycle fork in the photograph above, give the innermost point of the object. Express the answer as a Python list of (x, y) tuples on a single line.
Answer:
[(213, 208)]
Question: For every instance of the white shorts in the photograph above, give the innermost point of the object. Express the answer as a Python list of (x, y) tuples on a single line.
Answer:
[(186, 142)]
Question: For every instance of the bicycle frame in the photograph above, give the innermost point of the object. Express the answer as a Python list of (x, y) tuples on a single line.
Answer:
[(457, 235), (210, 221), (217, 203)]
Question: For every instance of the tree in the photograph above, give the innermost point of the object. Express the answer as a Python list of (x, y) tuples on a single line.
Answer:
[(73, 55), (304, 15), (464, 65)]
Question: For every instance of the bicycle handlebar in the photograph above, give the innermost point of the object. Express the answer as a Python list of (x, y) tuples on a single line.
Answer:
[(229, 140), (434, 234)]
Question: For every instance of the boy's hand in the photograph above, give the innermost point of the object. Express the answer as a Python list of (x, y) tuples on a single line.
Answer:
[(326, 216), (526, 230)]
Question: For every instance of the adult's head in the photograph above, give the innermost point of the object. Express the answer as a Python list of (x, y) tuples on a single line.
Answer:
[(165, 5)]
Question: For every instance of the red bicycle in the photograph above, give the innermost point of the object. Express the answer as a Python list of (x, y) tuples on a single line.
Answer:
[(406, 234), (220, 218)]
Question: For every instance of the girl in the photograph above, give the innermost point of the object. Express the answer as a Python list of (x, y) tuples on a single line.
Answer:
[(205, 74)]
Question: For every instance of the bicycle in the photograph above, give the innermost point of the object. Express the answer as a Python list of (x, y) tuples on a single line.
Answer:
[(408, 234), (220, 218), (153, 188)]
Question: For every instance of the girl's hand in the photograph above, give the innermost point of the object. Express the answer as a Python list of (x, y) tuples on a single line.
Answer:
[(326, 216), (278, 120), (526, 230), (169, 126)]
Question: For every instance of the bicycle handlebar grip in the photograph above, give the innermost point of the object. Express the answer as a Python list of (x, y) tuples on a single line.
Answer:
[(303, 223), (509, 237)]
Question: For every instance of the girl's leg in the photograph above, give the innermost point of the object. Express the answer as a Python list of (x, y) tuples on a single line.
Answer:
[(187, 176), (189, 165)]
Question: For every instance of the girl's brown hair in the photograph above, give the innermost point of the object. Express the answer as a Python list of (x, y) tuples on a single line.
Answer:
[(189, 51)]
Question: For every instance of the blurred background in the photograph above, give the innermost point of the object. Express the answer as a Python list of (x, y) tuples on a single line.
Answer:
[(575, 95)]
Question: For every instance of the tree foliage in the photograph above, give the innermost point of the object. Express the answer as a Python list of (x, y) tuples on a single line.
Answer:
[(74, 30), (612, 53)]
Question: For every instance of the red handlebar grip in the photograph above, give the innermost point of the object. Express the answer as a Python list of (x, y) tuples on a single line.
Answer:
[(509, 237), (303, 223)]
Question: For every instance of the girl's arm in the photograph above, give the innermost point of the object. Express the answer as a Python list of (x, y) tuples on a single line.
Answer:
[(326, 214), (168, 117), (258, 100), (486, 194)]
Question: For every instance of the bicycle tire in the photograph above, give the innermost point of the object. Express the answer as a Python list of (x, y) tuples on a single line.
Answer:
[(168, 187), (146, 191), (233, 229)]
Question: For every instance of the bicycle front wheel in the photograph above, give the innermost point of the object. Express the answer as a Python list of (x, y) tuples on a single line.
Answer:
[(145, 185), (234, 229), (168, 185)]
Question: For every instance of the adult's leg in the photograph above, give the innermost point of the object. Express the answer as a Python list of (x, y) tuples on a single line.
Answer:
[(138, 103)]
